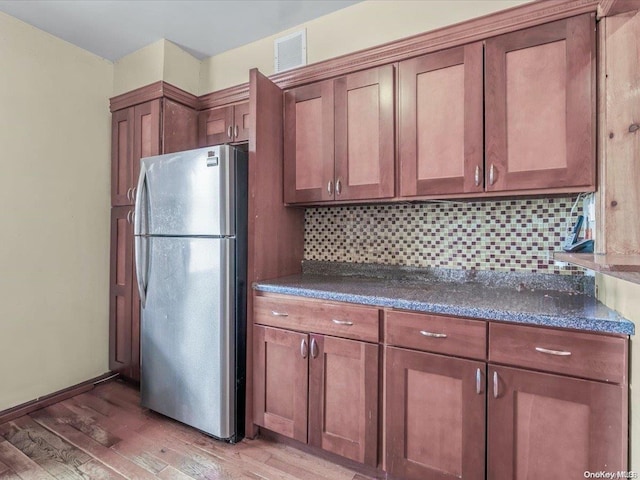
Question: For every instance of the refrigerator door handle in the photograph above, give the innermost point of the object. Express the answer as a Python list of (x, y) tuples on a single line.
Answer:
[(141, 203), (142, 263)]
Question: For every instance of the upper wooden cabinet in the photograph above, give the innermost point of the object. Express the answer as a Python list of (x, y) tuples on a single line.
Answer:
[(223, 125), (135, 133), (309, 143), (540, 107), (440, 123), (339, 138), (150, 128), (516, 115), (121, 157), (364, 141)]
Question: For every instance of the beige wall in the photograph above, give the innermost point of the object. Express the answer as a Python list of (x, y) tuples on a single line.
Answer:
[(624, 297), (161, 60), (359, 26), (54, 192)]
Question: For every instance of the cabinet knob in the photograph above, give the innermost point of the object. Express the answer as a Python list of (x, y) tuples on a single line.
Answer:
[(304, 350), (230, 131)]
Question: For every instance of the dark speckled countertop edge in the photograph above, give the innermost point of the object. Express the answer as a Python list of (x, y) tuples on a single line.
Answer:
[(583, 323)]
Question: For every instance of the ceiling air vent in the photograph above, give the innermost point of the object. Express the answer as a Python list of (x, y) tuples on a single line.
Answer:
[(290, 51)]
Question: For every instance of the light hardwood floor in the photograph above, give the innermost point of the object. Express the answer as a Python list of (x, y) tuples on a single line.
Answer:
[(105, 434)]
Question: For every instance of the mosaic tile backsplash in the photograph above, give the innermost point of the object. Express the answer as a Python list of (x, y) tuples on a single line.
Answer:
[(503, 235)]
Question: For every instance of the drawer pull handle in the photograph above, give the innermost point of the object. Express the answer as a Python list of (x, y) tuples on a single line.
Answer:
[(342, 322), (495, 385), (559, 353), (279, 314), (478, 381), (314, 348), (433, 335), (304, 350)]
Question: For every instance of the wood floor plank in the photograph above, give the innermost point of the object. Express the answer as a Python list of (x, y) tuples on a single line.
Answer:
[(105, 434), (227, 458), (106, 455), (100, 410), (171, 473), (83, 423), (96, 470), (21, 464), (163, 449), (140, 456), (9, 475)]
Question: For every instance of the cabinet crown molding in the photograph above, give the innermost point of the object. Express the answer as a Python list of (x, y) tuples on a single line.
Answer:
[(159, 89), (476, 29)]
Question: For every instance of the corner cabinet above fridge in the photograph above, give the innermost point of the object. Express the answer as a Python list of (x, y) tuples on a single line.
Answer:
[(150, 128)]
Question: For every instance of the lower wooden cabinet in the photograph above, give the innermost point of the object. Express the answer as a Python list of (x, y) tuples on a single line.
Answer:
[(280, 381), (121, 304), (550, 426), (435, 416), (463, 398), (343, 397), (319, 390)]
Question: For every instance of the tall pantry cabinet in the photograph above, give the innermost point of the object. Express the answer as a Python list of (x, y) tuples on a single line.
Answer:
[(152, 127)]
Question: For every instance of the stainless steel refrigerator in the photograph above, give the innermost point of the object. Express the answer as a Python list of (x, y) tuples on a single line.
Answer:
[(190, 255)]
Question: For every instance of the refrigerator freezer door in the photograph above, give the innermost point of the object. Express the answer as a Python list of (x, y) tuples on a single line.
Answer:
[(187, 193), (187, 339)]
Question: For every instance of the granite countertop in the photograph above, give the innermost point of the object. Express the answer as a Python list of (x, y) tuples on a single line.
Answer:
[(502, 298)]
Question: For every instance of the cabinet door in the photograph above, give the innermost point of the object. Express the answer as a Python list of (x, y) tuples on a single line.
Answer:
[(121, 157), (343, 398), (549, 426), (440, 127), (309, 143), (434, 416), (280, 380), (364, 135), (540, 107), (241, 122), (120, 300), (179, 127), (146, 139), (215, 126)]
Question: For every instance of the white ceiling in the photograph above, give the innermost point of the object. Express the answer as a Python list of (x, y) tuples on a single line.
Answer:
[(115, 28)]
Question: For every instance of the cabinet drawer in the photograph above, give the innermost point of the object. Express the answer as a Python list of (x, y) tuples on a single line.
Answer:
[(584, 355), (340, 320), (434, 333)]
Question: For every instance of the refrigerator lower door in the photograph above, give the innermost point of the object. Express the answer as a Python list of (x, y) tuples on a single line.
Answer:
[(187, 333)]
